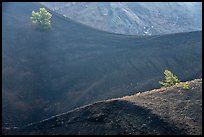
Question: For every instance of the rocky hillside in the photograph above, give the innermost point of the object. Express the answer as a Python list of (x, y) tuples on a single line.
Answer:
[(135, 18), (73, 65), (165, 111), (182, 108)]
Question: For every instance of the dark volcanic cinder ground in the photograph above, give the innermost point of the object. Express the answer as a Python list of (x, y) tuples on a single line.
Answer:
[(183, 108), (47, 73), (109, 117), (162, 111)]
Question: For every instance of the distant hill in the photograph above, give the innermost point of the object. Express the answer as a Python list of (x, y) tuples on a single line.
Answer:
[(165, 111), (47, 73), (135, 18)]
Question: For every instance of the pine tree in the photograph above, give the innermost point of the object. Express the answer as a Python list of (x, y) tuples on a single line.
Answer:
[(41, 19), (170, 79)]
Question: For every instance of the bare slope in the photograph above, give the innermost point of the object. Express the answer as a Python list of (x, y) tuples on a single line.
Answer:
[(46, 73), (162, 111), (136, 18), (183, 108)]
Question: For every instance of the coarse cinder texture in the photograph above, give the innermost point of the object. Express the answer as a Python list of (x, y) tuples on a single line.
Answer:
[(47, 73), (165, 111)]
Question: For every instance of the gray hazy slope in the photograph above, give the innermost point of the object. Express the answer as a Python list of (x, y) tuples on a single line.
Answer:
[(135, 18)]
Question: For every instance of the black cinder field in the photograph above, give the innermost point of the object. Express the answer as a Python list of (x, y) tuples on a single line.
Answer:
[(46, 73)]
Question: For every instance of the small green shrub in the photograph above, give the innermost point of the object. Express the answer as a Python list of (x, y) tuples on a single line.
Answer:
[(170, 79), (186, 86), (42, 19)]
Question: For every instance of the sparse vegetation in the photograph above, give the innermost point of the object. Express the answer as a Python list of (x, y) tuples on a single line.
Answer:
[(170, 80), (186, 86), (41, 19)]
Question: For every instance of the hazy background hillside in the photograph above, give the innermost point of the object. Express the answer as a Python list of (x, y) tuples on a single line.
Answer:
[(46, 73), (135, 18)]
